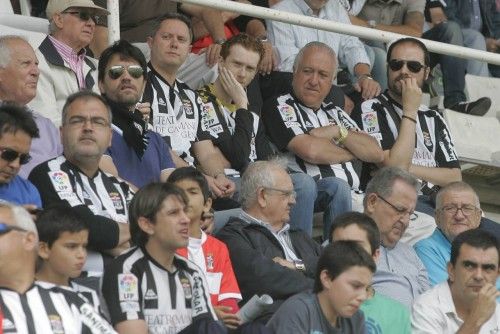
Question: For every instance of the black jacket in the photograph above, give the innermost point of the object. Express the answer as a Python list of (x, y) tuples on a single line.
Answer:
[(252, 248)]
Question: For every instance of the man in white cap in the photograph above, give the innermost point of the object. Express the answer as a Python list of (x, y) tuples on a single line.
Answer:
[(64, 66)]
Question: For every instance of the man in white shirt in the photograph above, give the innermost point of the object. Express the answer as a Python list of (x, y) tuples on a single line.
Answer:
[(466, 303)]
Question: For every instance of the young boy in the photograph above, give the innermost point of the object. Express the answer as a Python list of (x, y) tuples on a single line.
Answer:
[(62, 250), (210, 254)]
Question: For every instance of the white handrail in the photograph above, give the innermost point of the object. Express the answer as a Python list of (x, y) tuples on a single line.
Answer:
[(113, 21), (362, 32)]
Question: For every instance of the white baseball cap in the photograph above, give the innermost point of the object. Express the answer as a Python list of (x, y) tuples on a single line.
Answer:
[(59, 6)]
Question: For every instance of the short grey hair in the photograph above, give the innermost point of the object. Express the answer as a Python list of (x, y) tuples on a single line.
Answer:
[(457, 186), (22, 217), (5, 52), (315, 44), (258, 175), (383, 181), (84, 95)]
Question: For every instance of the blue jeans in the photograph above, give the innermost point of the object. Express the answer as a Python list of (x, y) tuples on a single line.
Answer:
[(334, 198), (330, 195), (453, 68), (301, 215)]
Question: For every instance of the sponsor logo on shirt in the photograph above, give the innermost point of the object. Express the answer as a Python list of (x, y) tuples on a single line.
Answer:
[(60, 181), (370, 122), (287, 113), (128, 287)]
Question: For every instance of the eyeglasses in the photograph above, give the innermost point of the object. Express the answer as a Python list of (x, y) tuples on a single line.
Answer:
[(85, 16), (10, 155), (117, 71), (452, 209), (286, 193), (6, 228), (401, 211), (413, 65), (80, 121)]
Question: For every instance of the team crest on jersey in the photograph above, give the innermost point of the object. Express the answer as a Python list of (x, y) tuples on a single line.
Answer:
[(427, 139), (187, 107), (56, 324), (186, 286), (60, 181), (128, 287), (287, 113), (210, 261), (117, 200), (370, 122)]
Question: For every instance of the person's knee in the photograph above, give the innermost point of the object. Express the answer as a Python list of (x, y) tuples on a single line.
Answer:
[(304, 185), (451, 33)]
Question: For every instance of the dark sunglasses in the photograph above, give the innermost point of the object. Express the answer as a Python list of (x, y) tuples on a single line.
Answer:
[(413, 65), (5, 228), (117, 71), (10, 155), (85, 16)]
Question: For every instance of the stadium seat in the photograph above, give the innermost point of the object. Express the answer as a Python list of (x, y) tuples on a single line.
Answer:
[(477, 87), (475, 138)]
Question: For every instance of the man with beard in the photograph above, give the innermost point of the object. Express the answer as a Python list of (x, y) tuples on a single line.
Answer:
[(140, 156), (412, 136)]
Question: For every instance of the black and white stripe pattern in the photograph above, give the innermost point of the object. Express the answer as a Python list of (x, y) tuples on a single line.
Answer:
[(42, 310), (299, 119), (174, 113), (135, 287), (381, 118)]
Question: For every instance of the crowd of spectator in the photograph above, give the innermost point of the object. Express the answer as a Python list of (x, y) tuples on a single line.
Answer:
[(193, 154)]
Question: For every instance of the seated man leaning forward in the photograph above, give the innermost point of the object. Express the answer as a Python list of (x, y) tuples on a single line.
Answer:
[(318, 138), (466, 302), (341, 285), (150, 289), (268, 256), (390, 201)]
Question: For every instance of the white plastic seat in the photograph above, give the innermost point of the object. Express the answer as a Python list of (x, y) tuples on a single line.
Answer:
[(475, 137), (477, 87)]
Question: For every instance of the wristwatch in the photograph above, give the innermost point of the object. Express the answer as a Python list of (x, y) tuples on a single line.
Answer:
[(343, 135), (372, 24), (220, 41), (299, 265)]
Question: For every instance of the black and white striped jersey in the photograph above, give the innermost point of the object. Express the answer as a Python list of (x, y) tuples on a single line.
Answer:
[(45, 310), (381, 117), (135, 286), (101, 200), (174, 113), (284, 118)]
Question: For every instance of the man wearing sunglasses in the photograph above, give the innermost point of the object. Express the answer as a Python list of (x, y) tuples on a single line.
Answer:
[(64, 66), (18, 82), (141, 156), (17, 128), (413, 136), (26, 306), (390, 199), (407, 17)]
